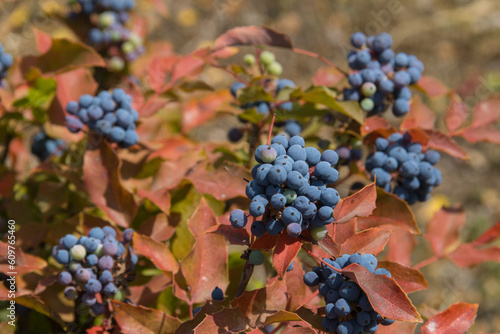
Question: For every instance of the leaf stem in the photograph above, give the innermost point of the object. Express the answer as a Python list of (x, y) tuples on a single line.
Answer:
[(426, 262), (320, 57), (271, 129)]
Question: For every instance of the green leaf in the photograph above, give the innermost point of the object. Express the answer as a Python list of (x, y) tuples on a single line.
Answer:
[(253, 94), (324, 96), (251, 115), (39, 98)]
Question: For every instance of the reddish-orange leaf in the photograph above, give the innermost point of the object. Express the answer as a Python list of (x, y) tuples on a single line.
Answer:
[(385, 295), (202, 219), (443, 230), (234, 236), (228, 320), (458, 318), (374, 123), (370, 241), (401, 245), (298, 292), (491, 234), (486, 133), (101, 179), (156, 251), (409, 279), (299, 330), (486, 112), (97, 330), (257, 305), (456, 114), (286, 249), (420, 116), (398, 328), (43, 40), (267, 241), (160, 7), (466, 255), (392, 211), (157, 227), (361, 204), (139, 319), (146, 293), (432, 87), (329, 246), (197, 112), (327, 76), (440, 141), (186, 67), (252, 35), (160, 197), (341, 232)]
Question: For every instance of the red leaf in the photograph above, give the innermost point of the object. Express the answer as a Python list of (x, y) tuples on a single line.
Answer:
[(157, 227), (298, 292), (385, 295), (370, 241), (186, 67), (392, 211), (160, 6), (257, 305), (432, 87), (401, 245), (139, 319), (409, 279), (398, 328), (329, 246), (456, 114), (63, 55), (374, 123), (205, 267), (252, 35), (198, 112), (229, 320), (491, 234), (458, 318), (286, 249), (486, 133), (298, 330), (342, 232), (233, 235), (361, 204), (440, 141), (420, 116), (466, 255), (443, 230), (156, 251), (101, 178), (43, 40), (266, 242), (160, 197), (146, 293), (486, 112), (327, 76)]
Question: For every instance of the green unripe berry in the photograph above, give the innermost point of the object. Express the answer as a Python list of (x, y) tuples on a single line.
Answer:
[(268, 154), (98, 251), (275, 68), (356, 144), (78, 252), (106, 19), (119, 295), (290, 195), (249, 59), (116, 36), (256, 258), (267, 57), (128, 48), (135, 39), (319, 233), (367, 104), (368, 89), (116, 64)]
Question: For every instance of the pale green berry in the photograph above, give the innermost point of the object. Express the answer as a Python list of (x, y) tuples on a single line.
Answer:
[(135, 39), (107, 19), (249, 59), (275, 68), (78, 252), (98, 251), (256, 258), (119, 295), (116, 64), (267, 57), (368, 89), (367, 104), (128, 48), (290, 195)]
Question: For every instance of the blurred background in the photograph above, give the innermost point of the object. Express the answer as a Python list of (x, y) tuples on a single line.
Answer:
[(458, 41)]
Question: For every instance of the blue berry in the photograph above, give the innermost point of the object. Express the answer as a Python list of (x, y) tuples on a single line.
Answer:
[(238, 218)]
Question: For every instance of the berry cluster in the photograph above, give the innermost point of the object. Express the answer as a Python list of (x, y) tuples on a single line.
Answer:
[(379, 75), (109, 114), (413, 169), (110, 32), (43, 146), (289, 189), (6, 62), (347, 310), (94, 264)]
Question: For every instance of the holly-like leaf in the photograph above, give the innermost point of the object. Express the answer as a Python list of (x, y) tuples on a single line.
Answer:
[(486, 133), (63, 55), (420, 115), (432, 87), (205, 267), (392, 211), (385, 295), (157, 228), (374, 123), (43, 40), (360, 204), (228, 320), (156, 251), (252, 35), (398, 328), (325, 97), (401, 246), (257, 305), (409, 279), (197, 112), (327, 76), (37, 304), (485, 114), (298, 330), (139, 319), (491, 234), (440, 141), (286, 249), (234, 236), (298, 292), (443, 230), (458, 318), (370, 241), (102, 181), (466, 255), (456, 113), (266, 242), (147, 293)]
